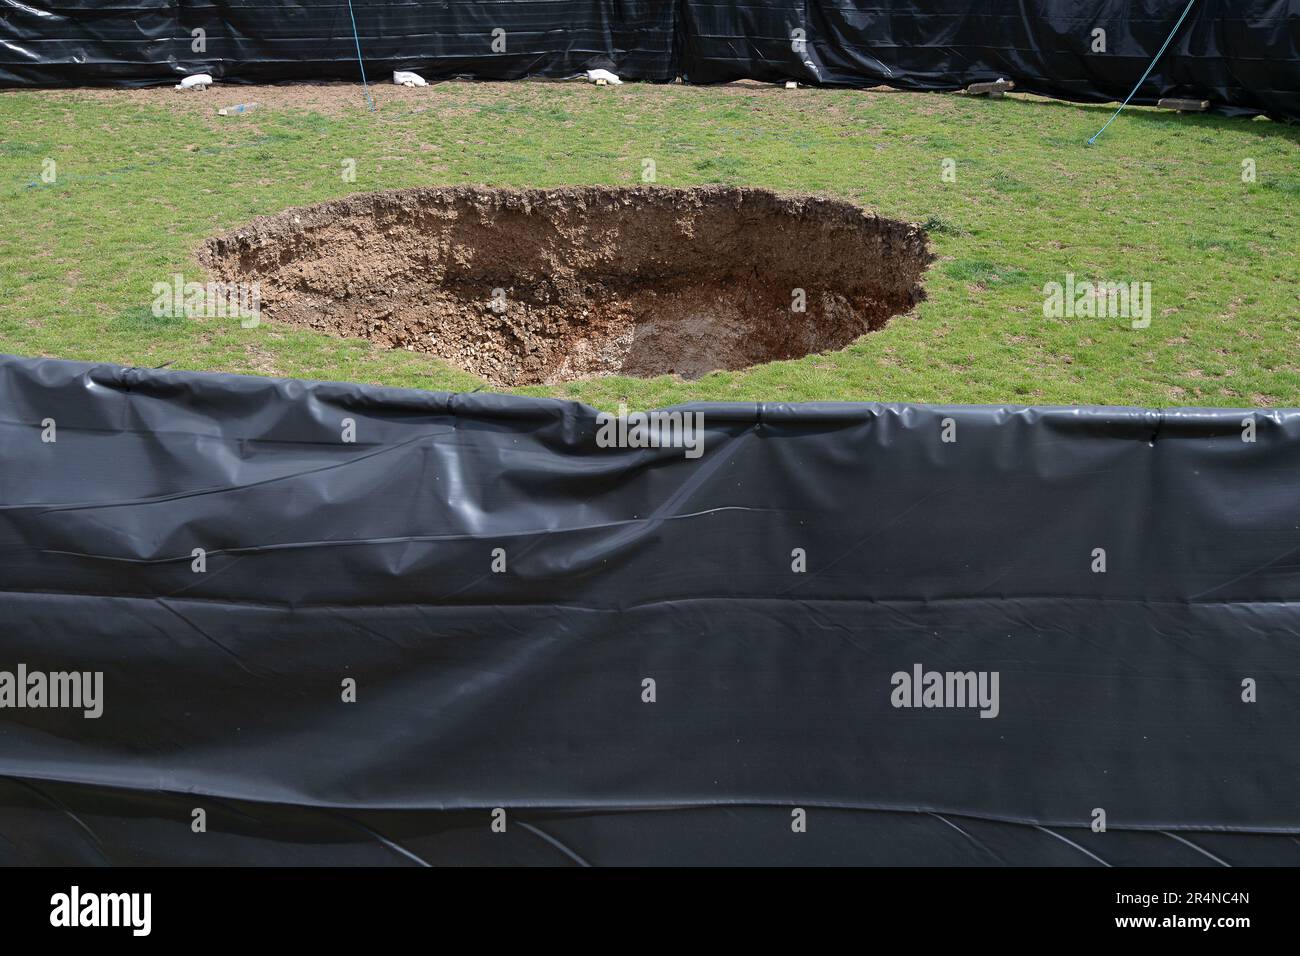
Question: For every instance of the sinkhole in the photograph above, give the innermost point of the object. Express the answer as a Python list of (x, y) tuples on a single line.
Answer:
[(537, 286)]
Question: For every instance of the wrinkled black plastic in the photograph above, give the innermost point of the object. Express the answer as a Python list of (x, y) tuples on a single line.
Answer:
[(1242, 55), (139, 42), (522, 689)]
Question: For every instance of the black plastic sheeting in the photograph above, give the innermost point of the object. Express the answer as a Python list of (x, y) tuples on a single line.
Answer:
[(139, 42), (1159, 690), (1240, 55), (1243, 55)]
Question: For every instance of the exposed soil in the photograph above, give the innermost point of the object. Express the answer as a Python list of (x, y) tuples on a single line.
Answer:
[(550, 285), (339, 98)]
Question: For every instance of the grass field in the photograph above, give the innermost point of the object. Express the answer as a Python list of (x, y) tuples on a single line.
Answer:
[(144, 176)]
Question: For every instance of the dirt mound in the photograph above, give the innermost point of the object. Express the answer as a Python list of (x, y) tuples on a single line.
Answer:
[(550, 285)]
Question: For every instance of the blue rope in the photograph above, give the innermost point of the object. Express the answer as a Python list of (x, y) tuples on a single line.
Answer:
[(1168, 40), (364, 85)]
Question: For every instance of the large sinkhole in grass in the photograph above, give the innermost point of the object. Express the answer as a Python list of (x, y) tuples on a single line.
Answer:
[(550, 285)]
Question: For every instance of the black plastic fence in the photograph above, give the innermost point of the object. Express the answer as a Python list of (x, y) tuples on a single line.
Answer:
[(1242, 55), (357, 624)]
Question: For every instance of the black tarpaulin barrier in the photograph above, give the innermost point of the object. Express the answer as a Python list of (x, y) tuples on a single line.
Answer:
[(1242, 56), (350, 623), (144, 42)]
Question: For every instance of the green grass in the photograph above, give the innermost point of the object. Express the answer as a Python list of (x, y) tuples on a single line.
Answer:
[(142, 180)]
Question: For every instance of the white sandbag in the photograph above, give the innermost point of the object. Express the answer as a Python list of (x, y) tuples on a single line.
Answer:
[(198, 81), (610, 78), (405, 78)]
